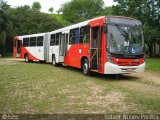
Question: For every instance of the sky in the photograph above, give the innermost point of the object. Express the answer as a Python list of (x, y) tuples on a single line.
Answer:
[(46, 4)]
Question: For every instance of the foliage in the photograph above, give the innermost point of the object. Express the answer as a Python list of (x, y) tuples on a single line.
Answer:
[(150, 33), (80, 10), (4, 5), (107, 11), (36, 6), (6, 27), (61, 20), (51, 10), (27, 21)]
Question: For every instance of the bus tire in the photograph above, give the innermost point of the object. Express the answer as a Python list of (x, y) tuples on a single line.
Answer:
[(26, 58), (54, 61), (85, 67), (42, 61)]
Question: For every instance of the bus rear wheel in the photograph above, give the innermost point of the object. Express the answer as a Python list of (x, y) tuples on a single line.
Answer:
[(26, 58), (85, 67), (54, 61)]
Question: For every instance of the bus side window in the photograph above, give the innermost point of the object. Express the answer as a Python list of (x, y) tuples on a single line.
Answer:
[(74, 36), (32, 41), (40, 41), (57, 38), (84, 35), (67, 38), (52, 41), (25, 42)]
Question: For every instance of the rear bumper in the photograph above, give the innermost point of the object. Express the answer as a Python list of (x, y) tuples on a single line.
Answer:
[(110, 68)]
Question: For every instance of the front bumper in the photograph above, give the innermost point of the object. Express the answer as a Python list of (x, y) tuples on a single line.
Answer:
[(110, 68)]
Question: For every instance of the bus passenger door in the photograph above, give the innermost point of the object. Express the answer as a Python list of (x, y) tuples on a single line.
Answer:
[(65, 49), (18, 48), (65, 44), (95, 48), (62, 48)]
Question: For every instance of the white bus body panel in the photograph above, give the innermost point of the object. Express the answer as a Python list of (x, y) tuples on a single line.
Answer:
[(46, 47), (110, 68), (37, 52), (54, 50)]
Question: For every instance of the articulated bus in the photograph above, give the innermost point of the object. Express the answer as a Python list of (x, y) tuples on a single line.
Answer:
[(107, 45)]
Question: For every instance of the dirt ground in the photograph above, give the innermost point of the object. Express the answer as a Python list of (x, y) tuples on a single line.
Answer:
[(153, 77)]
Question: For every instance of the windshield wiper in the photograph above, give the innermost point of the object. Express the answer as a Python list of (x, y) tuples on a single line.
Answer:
[(124, 33)]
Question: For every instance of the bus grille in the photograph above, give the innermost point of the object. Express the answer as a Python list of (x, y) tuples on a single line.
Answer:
[(128, 63)]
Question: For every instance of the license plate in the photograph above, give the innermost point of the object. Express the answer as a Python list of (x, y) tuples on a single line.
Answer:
[(129, 70)]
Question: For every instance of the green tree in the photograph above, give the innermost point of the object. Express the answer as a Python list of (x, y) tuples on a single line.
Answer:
[(36, 6), (6, 27), (27, 21), (150, 36), (0, 3), (4, 5), (107, 11), (51, 10), (80, 10)]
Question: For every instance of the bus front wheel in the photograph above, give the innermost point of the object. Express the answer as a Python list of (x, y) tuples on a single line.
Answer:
[(85, 67)]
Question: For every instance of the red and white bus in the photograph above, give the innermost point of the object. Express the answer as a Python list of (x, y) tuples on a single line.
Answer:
[(107, 45)]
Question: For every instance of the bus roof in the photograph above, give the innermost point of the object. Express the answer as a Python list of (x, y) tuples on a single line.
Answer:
[(67, 29), (31, 35), (84, 23)]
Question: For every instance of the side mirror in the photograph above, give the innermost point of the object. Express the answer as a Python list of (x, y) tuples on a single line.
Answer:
[(105, 28)]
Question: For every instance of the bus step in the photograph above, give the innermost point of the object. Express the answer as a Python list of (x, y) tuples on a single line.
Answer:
[(94, 70)]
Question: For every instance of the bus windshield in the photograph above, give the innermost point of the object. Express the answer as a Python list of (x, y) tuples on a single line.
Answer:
[(125, 40)]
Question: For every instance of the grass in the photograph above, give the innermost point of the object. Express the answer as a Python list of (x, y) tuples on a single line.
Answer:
[(153, 64), (42, 88)]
